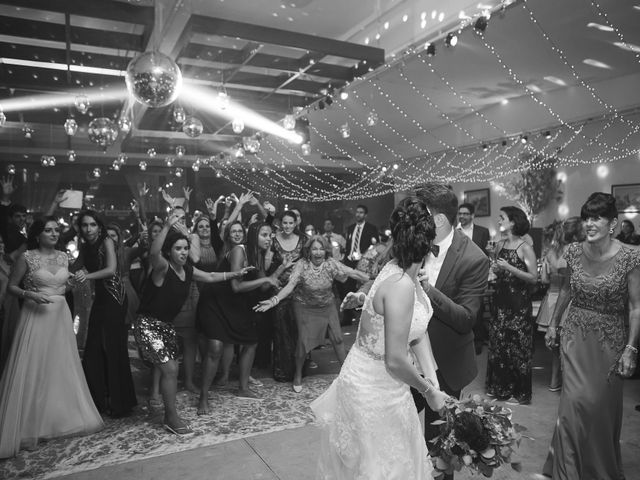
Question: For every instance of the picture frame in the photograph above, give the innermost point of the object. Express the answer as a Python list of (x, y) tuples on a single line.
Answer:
[(480, 199), (627, 197)]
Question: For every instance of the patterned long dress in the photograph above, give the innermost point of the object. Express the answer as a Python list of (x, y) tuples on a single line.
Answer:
[(586, 441), (510, 334)]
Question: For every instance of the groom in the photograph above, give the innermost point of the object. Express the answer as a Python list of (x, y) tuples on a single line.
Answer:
[(457, 280)]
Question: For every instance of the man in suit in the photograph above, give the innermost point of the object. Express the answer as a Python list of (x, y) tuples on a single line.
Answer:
[(360, 236), (456, 280), (480, 236), (477, 233), (337, 241)]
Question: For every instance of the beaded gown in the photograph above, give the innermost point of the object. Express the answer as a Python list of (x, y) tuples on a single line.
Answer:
[(43, 392), (370, 425), (586, 441), (510, 334)]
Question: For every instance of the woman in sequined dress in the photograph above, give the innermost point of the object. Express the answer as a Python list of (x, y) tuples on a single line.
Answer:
[(106, 354), (598, 347), (511, 328), (165, 292)]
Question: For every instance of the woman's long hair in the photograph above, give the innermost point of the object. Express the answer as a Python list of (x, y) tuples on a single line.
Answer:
[(93, 214), (36, 228), (119, 245), (226, 238), (255, 257), (412, 231)]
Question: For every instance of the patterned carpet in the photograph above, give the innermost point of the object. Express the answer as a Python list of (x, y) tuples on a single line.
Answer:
[(142, 436)]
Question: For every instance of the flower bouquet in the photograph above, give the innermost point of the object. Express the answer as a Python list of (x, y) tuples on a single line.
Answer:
[(476, 434)]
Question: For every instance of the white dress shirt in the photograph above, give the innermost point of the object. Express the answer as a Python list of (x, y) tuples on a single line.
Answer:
[(468, 231), (433, 264)]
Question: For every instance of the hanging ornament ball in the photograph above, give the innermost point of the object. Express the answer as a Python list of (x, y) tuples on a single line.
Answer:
[(218, 174), (237, 125), (180, 150), (154, 79), (289, 122), (178, 172), (151, 152), (143, 165), (345, 131), (71, 156), (82, 103), (11, 169), (372, 119), (44, 160), (116, 165), (192, 127), (3, 118), (122, 159), (169, 161), (103, 131), (179, 115), (70, 126), (124, 124), (306, 149), (195, 166), (96, 173)]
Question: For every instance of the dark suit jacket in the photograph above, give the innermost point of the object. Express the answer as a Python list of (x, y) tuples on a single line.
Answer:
[(456, 299), (369, 231), (481, 237)]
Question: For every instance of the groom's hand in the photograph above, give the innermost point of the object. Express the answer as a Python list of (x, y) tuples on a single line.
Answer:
[(353, 300)]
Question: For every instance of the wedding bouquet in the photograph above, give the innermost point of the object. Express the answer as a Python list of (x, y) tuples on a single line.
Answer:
[(476, 434)]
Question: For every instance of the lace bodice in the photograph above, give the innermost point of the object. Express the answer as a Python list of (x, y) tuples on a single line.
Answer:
[(46, 275), (599, 303), (370, 336)]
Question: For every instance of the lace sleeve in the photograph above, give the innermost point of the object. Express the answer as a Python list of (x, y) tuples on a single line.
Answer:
[(571, 254), (33, 262)]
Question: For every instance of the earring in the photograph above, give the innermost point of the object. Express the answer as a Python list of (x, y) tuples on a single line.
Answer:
[(611, 231)]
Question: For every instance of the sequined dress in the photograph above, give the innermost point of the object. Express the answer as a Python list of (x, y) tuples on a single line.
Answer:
[(586, 441), (370, 425), (510, 334), (43, 393)]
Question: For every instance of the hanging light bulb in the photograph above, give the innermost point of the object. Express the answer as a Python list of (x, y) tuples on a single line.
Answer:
[(28, 131), (11, 169), (71, 156), (195, 167), (151, 152), (306, 149), (116, 165), (168, 161), (179, 115), (70, 126), (253, 169), (192, 127), (344, 95), (180, 150), (227, 159), (124, 124), (223, 100), (289, 122), (451, 40), (345, 131), (237, 125), (44, 160), (142, 165), (250, 144), (82, 103), (430, 48), (372, 119), (96, 173), (122, 159), (178, 172), (3, 118), (239, 151)]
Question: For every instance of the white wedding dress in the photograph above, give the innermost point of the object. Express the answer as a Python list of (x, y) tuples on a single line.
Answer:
[(370, 425)]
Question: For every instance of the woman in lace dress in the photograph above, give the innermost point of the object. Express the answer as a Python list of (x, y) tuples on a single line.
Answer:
[(598, 347), (370, 424), (43, 393), (314, 304)]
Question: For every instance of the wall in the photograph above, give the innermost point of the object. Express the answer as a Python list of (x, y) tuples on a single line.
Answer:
[(580, 182)]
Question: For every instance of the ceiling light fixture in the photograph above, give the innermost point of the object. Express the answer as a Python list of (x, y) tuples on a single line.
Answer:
[(344, 95), (451, 40)]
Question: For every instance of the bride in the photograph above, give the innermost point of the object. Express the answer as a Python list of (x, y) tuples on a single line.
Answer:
[(370, 424)]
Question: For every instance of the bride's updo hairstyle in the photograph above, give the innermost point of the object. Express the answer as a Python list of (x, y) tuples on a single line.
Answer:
[(412, 231)]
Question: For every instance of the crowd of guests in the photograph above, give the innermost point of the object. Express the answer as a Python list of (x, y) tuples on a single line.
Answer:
[(253, 286)]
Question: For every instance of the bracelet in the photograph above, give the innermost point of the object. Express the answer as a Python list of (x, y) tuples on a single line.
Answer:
[(424, 392), (224, 275), (632, 348), (275, 300)]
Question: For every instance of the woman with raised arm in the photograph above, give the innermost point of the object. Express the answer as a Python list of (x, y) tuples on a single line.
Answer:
[(164, 294), (43, 392), (106, 354), (314, 304), (370, 423)]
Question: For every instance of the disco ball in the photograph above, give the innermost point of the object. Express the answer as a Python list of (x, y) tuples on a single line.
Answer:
[(70, 126), (192, 127), (154, 79), (103, 131)]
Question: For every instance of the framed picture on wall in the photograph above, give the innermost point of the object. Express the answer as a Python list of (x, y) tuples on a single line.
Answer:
[(627, 197), (480, 199)]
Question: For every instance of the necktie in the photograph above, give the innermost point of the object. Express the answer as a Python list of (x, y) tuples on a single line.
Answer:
[(356, 240)]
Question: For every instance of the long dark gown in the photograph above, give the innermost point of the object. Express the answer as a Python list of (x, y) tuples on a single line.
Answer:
[(510, 334), (586, 441), (106, 356)]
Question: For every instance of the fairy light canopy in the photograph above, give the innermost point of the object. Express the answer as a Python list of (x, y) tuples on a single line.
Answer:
[(562, 74)]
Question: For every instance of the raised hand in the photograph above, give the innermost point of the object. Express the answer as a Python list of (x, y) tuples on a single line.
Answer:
[(61, 196), (167, 198), (211, 206), (7, 186), (143, 189), (135, 207), (187, 193), (352, 300)]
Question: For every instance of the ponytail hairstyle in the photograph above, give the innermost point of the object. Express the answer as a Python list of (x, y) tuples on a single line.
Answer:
[(412, 231)]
